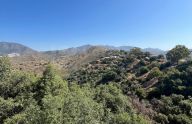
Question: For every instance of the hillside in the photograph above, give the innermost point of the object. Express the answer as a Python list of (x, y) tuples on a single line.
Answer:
[(47, 98), (66, 61), (158, 88), (97, 86)]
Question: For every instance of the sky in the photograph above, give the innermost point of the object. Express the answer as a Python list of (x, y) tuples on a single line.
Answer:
[(58, 24)]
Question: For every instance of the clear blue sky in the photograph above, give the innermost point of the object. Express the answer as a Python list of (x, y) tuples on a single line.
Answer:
[(58, 24)]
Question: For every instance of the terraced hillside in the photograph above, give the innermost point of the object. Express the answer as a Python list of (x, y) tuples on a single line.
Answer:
[(158, 88)]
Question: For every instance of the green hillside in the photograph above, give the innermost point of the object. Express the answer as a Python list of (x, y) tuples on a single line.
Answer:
[(118, 87)]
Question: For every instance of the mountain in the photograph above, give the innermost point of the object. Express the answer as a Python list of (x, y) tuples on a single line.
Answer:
[(77, 50), (14, 48), (153, 51), (126, 48), (84, 48), (70, 51), (70, 59)]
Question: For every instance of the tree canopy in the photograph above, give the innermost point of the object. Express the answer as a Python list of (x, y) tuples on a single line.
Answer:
[(177, 53)]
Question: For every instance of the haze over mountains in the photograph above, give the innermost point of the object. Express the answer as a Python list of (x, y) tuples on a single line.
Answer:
[(9, 48)]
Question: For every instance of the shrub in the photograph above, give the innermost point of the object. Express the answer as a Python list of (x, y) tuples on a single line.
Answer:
[(154, 73), (109, 76), (143, 70)]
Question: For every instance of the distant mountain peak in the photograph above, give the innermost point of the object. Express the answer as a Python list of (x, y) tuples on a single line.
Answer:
[(11, 47)]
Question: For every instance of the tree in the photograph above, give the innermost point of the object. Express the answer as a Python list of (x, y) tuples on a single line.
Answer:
[(177, 53), (109, 76), (143, 70), (50, 83), (155, 72), (136, 52), (127, 118), (5, 68), (7, 108), (50, 92), (80, 108)]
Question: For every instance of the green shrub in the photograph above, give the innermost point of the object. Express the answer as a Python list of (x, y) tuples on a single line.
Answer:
[(155, 72), (143, 70), (109, 76)]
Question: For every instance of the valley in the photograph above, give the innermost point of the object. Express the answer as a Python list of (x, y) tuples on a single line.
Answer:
[(98, 85)]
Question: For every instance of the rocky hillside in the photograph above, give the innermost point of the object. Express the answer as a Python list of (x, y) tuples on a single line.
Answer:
[(66, 62)]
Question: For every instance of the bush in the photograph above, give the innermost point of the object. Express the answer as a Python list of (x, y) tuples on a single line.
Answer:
[(154, 64), (161, 118), (109, 76), (141, 93), (154, 73), (126, 118), (142, 63), (153, 58), (165, 65), (143, 70)]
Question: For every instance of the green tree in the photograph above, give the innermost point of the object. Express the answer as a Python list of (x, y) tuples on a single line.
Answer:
[(136, 52), (7, 108), (109, 76), (5, 68), (143, 70), (50, 92), (177, 53), (50, 83), (80, 108), (155, 72), (127, 118), (30, 114)]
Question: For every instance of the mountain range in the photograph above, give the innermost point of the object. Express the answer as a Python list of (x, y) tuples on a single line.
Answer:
[(10, 48), (27, 59)]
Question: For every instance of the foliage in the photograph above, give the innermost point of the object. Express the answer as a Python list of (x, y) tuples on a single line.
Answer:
[(79, 107), (136, 52), (126, 118), (121, 88), (177, 53), (109, 76), (27, 99), (143, 70), (174, 109), (155, 72), (4, 68)]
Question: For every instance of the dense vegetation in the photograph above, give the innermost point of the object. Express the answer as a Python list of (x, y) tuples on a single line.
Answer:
[(159, 88), (120, 88), (27, 99)]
